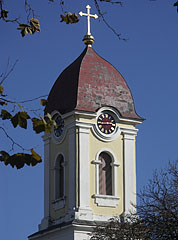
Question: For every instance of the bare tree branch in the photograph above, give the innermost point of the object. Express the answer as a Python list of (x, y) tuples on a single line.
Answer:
[(12, 141), (7, 72), (101, 15)]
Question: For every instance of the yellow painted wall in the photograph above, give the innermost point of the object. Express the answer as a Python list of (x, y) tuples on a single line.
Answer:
[(55, 149), (116, 147), (95, 145)]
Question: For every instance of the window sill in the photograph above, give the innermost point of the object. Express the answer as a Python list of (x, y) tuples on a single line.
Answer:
[(58, 203), (106, 200)]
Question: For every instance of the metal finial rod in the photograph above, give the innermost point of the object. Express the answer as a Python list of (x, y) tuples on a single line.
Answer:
[(88, 15)]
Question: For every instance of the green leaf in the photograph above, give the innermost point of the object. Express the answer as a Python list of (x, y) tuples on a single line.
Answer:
[(43, 102), (1, 90), (5, 114), (38, 125)]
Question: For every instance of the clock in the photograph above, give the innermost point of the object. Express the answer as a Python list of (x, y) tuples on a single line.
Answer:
[(60, 126), (106, 123)]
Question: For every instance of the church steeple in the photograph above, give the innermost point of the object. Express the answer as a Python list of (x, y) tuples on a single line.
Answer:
[(90, 159)]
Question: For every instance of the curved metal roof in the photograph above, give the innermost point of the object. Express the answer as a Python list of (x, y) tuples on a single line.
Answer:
[(89, 83)]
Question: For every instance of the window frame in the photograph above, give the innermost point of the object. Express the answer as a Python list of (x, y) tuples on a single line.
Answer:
[(106, 200), (59, 203)]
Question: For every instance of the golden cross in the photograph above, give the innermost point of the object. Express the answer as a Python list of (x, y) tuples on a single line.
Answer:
[(88, 15)]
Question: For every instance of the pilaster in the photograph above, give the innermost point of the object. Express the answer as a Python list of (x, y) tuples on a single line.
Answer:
[(45, 220), (129, 168)]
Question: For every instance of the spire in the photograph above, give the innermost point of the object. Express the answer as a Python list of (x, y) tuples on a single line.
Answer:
[(88, 38)]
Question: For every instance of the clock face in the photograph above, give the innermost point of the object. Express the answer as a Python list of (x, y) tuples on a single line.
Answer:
[(106, 123), (60, 126)]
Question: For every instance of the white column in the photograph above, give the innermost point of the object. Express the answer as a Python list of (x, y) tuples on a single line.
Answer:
[(129, 170), (72, 168), (45, 220), (84, 177)]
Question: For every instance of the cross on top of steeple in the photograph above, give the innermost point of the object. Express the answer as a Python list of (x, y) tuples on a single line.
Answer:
[(88, 38)]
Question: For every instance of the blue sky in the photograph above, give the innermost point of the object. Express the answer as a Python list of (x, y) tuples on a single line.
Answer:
[(148, 62)]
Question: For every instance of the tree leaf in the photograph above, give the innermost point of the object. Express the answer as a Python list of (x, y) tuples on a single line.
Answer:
[(38, 125), (20, 159), (24, 115), (5, 114), (15, 120), (35, 25), (4, 13), (20, 107), (4, 157), (1, 90), (25, 29), (20, 119), (69, 18), (48, 128), (35, 155), (43, 102), (2, 103)]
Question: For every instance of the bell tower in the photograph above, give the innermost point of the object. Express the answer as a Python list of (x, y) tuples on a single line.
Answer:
[(90, 159)]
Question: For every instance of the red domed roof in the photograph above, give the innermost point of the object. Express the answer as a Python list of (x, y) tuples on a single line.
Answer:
[(88, 84)]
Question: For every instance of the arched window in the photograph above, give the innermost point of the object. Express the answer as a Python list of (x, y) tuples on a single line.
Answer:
[(59, 177), (105, 174), (106, 179)]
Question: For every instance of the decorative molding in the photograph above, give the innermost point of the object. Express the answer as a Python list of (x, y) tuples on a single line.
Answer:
[(129, 131), (102, 136), (96, 162), (84, 214), (106, 137), (58, 203), (46, 138), (106, 200)]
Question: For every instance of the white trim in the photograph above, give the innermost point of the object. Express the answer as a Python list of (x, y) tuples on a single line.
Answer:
[(106, 200), (103, 136), (93, 115), (106, 137), (83, 158), (130, 132), (129, 171)]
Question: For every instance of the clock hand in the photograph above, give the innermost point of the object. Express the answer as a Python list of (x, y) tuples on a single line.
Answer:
[(107, 123)]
